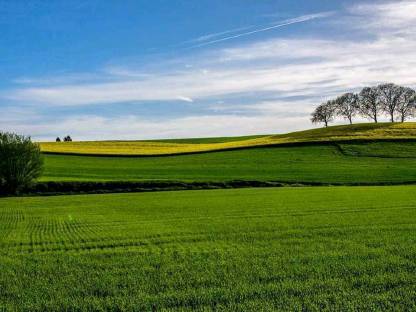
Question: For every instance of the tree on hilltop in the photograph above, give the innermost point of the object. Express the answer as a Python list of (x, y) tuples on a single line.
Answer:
[(324, 113), (397, 102), (389, 96), (406, 107), (347, 105), (368, 103)]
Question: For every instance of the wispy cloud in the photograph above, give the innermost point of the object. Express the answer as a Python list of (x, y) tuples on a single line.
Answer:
[(396, 16), (90, 127), (185, 99)]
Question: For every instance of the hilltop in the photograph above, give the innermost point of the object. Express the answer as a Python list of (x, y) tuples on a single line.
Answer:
[(356, 132)]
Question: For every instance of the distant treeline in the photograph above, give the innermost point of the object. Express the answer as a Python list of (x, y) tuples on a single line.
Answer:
[(396, 102)]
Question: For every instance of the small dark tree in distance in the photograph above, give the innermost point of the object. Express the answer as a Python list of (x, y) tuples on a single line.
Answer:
[(20, 162), (368, 103), (67, 139), (406, 106), (58, 139), (324, 113), (389, 96), (347, 106)]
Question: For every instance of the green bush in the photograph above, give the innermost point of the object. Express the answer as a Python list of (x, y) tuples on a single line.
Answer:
[(21, 162)]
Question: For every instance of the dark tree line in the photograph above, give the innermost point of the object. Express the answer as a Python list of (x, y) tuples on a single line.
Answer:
[(397, 102)]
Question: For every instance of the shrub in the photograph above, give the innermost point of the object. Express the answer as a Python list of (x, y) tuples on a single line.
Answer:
[(21, 162)]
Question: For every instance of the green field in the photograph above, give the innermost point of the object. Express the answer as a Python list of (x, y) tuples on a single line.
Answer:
[(380, 162), (393, 149), (343, 248), (356, 132), (339, 248)]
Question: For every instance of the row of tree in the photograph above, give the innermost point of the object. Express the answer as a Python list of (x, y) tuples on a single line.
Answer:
[(397, 102)]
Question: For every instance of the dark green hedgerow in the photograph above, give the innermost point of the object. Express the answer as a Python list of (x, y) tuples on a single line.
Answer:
[(52, 188), (61, 188)]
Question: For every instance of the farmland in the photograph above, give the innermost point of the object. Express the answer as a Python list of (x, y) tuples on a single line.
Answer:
[(185, 155), (379, 162), (381, 131), (349, 248), (289, 248)]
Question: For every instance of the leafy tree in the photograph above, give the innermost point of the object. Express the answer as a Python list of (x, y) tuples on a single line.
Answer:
[(324, 113), (67, 139), (58, 139), (389, 96), (368, 104), (406, 107), (20, 162), (347, 105)]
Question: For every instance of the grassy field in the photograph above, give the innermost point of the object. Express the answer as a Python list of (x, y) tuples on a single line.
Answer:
[(381, 149), (340, 248), (166, 147), (317, 248), (346, 163)]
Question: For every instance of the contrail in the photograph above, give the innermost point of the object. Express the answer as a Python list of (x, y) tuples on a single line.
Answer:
[(218, 34), (203, 38), (296, 20)]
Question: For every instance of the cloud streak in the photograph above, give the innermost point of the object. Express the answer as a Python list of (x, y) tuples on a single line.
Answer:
[(218, 34), (300, 19)]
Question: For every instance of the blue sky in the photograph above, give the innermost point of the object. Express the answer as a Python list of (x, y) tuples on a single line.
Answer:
[(156, 69)]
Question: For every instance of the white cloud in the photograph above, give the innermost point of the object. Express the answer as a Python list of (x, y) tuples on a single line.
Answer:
[(134, 128), (185, 99), (398, 16), (292, 66)]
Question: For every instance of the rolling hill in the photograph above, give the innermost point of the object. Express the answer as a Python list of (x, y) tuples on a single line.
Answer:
[(357, 132), (363, 153), (370, 163)]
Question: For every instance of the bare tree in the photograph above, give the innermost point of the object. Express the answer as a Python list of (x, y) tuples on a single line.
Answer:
[(368, 103), (324, 113), (406, 106), (347, 106), (389, 96), (397, 101)]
